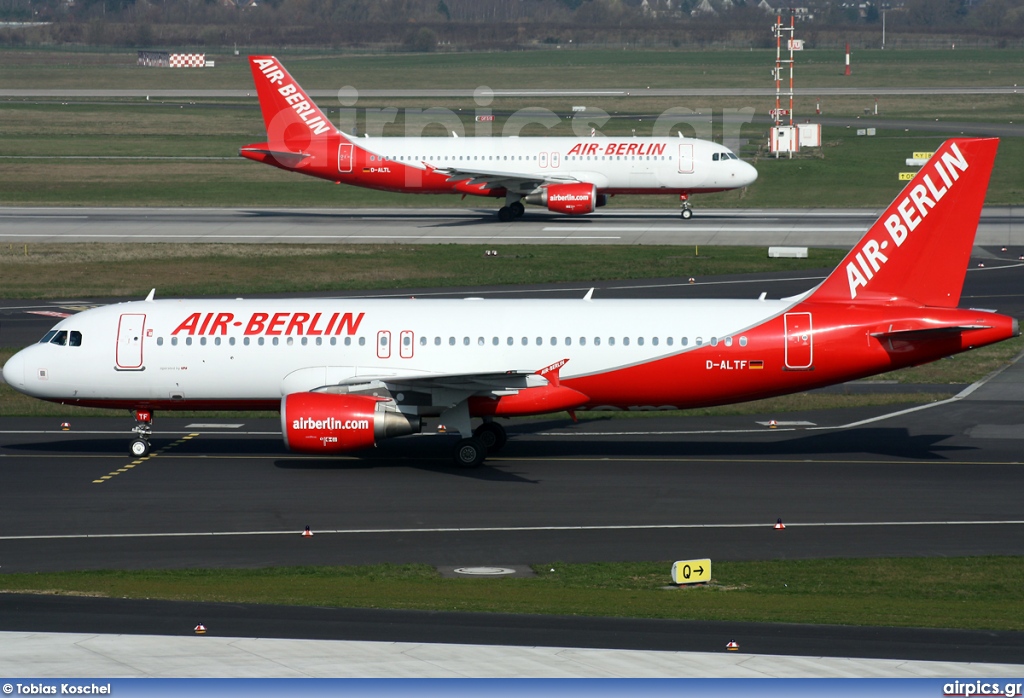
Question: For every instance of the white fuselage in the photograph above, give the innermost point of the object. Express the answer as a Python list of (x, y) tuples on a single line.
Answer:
[(260, 350)]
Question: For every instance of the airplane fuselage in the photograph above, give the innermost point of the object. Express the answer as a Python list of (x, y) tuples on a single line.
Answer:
[(622, 354)]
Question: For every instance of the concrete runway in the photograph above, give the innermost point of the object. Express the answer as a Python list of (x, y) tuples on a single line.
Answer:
[(1000, 225)]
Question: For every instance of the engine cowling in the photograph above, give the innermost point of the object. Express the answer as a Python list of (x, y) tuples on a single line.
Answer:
[(574, 199), (331, 423)]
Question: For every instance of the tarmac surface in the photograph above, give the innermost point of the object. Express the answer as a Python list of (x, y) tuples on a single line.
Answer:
[(999, 225), (938, 480)]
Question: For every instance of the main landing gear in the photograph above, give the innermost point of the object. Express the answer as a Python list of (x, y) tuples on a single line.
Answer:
[(487, 438), (511, 211), (139, 446), (687, 210)]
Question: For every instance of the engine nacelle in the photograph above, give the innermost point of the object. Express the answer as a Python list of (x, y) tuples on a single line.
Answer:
[(575, 199), (331, 423)]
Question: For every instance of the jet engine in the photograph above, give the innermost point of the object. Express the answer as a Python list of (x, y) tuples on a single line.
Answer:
[(575, 199), (331, 423)]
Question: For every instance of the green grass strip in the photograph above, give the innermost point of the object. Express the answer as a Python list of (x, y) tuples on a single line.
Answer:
[(979, 592)]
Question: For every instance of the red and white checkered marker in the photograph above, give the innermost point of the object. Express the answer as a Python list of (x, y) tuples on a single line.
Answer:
[(732, 646), (779, 526), (200, 629), (307, 533)]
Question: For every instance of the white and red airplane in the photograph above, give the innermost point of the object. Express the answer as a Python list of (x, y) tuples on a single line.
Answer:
[(346, 373), (567, 175)]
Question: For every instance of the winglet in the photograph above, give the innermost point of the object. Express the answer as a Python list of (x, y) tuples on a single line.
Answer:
[(151, 296), (590, 295), (918, 250), (551, 372)]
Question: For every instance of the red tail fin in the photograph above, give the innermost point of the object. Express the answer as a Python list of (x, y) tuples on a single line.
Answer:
[(918, 250), (292, 119)]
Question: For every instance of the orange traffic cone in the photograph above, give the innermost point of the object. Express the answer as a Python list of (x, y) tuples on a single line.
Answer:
[(307, 533), (732, 646), (779, 526), (200, 629)]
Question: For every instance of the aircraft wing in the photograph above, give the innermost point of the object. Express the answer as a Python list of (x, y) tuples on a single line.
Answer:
[(461, 382), (519, 182)]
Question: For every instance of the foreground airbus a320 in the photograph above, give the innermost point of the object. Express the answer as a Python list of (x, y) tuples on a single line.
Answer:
[(347, 373), (567, 175)]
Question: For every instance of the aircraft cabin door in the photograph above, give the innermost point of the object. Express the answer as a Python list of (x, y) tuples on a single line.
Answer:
[(686, 158), (345, 157), (799, 342), (130, 330)]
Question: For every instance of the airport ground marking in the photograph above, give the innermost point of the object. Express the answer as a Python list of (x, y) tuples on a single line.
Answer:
[(519, 529), (126, 468)]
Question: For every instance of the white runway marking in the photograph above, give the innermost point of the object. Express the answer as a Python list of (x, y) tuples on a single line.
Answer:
[(425, 237), (694, 229), (515, 529)]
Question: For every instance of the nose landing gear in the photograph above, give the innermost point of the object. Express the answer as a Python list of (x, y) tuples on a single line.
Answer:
[(139, 446), (687, 210)]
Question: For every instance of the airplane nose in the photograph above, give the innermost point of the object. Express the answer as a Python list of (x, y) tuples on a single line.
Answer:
[(748, 174), (14, 371)]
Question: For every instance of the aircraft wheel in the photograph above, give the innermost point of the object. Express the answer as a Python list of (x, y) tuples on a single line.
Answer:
[(517, 209), (686, 213), (491, 435), (505, 214), (470, 453), (139, 448)]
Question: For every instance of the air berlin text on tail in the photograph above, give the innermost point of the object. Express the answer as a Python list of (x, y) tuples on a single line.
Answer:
[(918, 200), (293, 95)]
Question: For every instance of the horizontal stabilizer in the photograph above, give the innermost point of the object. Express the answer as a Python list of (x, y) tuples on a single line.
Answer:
[(284, 157), (911, 335)]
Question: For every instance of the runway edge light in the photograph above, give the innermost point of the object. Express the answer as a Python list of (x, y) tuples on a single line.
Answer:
[(732, 646), (779, 526), (200, 629), (307, 533)]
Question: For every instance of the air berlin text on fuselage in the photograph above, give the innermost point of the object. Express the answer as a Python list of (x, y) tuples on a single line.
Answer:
[(293, 95), (308, 324), (618, 149), (909, 212)]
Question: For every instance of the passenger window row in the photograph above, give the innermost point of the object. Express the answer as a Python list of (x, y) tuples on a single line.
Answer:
[(451, 341)]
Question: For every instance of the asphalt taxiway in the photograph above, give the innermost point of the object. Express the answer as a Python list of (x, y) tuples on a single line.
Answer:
[(938, 480), (999, 225)]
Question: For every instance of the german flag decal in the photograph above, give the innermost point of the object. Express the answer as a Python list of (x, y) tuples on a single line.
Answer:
[(756, 365)]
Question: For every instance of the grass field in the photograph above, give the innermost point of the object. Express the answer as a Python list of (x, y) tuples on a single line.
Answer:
[(983, 593), (92, 152), (586, 68)]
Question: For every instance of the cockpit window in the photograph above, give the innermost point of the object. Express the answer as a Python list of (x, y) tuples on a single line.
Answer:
[(62, 338), (714, 157)]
